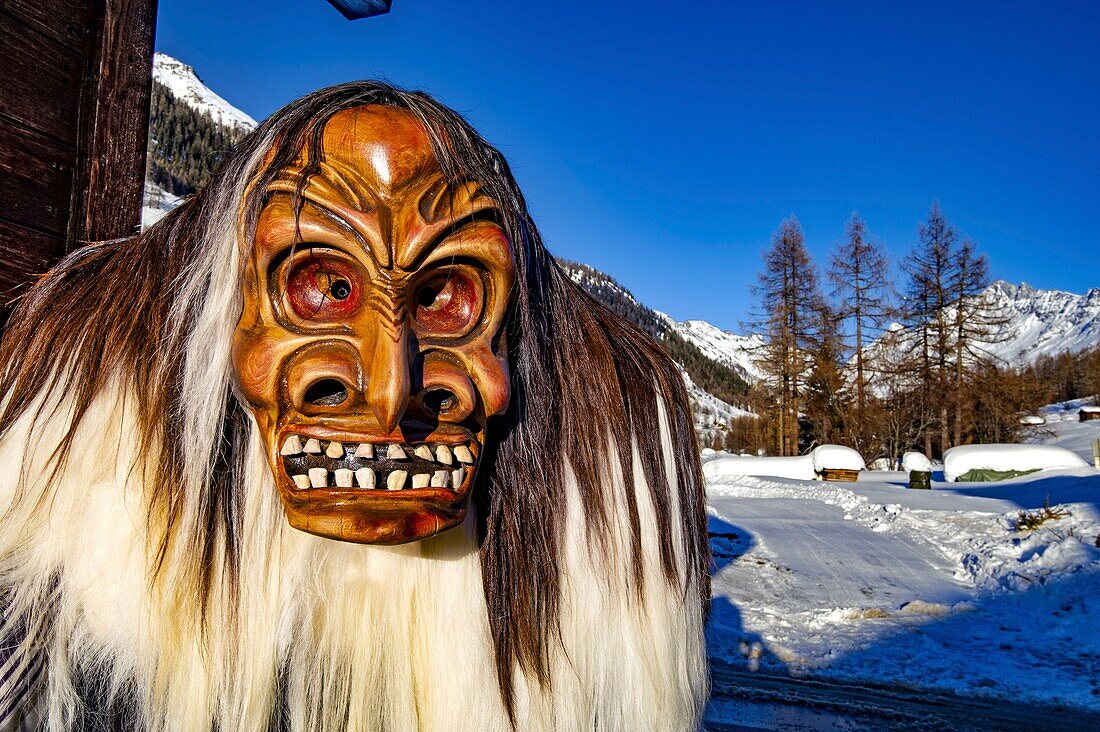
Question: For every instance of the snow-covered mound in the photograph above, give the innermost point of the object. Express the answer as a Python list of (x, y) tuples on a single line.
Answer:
[(739, 352), (720, 466), (186, 86), (719, 469), (959, 461), (917, 461)]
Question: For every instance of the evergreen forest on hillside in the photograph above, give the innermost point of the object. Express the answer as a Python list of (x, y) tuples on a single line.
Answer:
[(711, 376), (185, 146)]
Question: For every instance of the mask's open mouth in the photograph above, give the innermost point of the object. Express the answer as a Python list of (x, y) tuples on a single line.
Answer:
[(311, 464)]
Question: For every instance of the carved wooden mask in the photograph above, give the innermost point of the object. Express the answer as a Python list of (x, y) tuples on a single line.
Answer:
[(371, 347)]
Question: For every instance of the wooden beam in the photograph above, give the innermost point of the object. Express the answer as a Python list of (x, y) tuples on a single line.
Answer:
[(114, 121)]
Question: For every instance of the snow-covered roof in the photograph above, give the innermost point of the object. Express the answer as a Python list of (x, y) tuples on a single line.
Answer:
[(837, 457), (1032, 419), (960, 460), (803, 467), (1090, 410)]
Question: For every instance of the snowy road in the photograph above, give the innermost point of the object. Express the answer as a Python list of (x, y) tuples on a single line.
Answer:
[(870, 583), (840, 562)]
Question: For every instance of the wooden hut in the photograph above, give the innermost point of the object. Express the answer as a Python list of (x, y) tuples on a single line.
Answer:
[(74, 110), (1086, 414)]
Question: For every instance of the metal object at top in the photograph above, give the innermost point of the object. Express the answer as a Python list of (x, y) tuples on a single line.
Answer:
[(356, 9)]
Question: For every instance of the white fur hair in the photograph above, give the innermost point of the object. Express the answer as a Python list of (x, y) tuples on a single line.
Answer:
[(317, 635)]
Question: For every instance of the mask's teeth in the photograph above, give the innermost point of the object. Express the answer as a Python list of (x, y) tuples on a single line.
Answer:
[(302, 481), (464, 455), (335, 450), (443, 454), (291, 446), (424, 452), (365, 450), (457, 477), (396, 480), (318, 477), (313, 446), (395, 453), (343, 478), (365, 478), (421, 480), (439, 479)]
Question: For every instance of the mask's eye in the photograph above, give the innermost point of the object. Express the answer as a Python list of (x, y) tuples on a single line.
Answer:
[(324, 288), (448, 302)]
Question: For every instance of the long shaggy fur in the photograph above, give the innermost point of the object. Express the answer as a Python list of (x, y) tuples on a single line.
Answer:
[(150, 581)]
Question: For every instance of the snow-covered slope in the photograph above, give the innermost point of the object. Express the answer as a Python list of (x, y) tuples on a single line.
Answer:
[(1043, 322), (156, 203), (736, 351), (186, 86)]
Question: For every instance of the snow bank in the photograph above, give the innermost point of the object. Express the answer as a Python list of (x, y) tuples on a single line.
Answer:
[(918, 461), (801, 468), (718, 466), (837, 457), (961, 460), (1032, 419)]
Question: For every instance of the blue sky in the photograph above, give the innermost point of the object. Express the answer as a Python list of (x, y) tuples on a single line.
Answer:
[(663, 142)]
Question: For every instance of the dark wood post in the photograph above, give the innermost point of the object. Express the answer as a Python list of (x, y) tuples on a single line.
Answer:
[(74, 113), (114, 121)]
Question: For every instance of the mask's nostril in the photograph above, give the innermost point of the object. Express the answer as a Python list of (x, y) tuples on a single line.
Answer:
[(326, 393), (438, 401)]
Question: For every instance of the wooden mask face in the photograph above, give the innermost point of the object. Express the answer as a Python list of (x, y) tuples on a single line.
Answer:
[(371, 347)]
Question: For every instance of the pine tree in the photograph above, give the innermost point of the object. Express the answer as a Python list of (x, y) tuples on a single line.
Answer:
[(978, 324), (787, 296), (924, 312), (827, 402), (859, 272)]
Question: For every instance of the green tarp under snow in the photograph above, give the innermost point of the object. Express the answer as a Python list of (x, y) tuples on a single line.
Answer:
[(986, 475)]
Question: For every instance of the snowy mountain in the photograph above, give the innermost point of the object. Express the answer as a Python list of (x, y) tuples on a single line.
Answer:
[(1043, 322), (714, 380), (185, 85), (736, 351), (1038, 323), (190, 129)]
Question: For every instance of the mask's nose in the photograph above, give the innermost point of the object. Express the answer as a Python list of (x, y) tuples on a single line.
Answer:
[(386, 370)]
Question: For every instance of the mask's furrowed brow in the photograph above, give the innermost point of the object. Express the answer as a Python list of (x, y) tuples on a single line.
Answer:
[(353, 211), (425, 246), (447, 208), (328, 183)]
